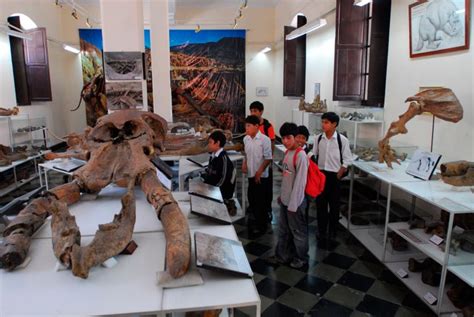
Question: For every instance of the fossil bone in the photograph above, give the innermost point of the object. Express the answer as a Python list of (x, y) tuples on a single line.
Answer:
[(441, 102), (458, 173), (118, 149), (9, 112)]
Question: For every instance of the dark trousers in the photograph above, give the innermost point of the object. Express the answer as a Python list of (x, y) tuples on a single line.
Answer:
[(293, 234), (327, 220), (257, 203)]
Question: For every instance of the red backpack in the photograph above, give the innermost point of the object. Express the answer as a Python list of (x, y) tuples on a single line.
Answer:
[(316, 179)]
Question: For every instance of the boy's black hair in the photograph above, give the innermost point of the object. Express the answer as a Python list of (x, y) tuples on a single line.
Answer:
[(288, 128), (218, 136), (303, 131), (331, 117), (252, 120), (256, 105)]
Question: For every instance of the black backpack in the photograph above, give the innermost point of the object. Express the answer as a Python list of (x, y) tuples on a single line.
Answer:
[(266, 126)]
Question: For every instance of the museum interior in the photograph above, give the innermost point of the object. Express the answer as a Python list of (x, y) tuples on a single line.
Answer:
[(236, 158)]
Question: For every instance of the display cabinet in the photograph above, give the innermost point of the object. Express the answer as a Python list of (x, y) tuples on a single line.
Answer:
[(28, 131), (361, 124), (429, 248)]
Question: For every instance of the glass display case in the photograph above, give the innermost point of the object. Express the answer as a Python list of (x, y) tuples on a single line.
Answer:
[(361, 124), (28, 131)]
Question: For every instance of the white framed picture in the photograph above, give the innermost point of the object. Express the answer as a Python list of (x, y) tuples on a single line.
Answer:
[(423, 164), (317, 89), (438, 26), (262, 91)]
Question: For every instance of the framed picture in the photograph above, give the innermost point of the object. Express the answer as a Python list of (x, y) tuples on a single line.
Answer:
[(438, 26), (423, 164), (317, 89), (124, 95), (262, 91), (123, 65)]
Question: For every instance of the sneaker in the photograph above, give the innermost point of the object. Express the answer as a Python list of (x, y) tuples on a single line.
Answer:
[(275, 260), (298, 264)]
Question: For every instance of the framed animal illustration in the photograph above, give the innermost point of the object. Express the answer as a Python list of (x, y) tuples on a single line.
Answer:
[(438, 26)]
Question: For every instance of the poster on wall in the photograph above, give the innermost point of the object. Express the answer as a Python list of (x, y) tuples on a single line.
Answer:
[(124, 95), (438, 26), (93, 93), (123, 65), (208, 77)]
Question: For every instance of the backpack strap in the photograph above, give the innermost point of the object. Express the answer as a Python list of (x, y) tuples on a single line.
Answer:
[(339, 143), (296, 156), (266, 126), (319, 140)]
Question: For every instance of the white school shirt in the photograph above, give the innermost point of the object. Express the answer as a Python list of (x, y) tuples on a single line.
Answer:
[(328, 150), (257, 150)]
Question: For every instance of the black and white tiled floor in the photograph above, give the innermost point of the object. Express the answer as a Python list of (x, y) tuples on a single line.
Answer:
[(343, 278)]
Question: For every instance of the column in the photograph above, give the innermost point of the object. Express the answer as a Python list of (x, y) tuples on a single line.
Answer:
[(160, 58), (123, 29)]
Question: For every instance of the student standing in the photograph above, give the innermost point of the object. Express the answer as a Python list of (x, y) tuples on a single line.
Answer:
[(302, 137), (333, 156), (220, 171), (292, 246), (258, 156), (265, 127)]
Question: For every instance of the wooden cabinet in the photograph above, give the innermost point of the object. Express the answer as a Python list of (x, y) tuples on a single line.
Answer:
[(294, 63), (361, 49)]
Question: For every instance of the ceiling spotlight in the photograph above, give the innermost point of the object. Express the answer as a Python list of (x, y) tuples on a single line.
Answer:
[(244, 4), (235, 23), (59, 4), (74, 14), (89, 25), (197, 29), (240, 15), (265, 50)]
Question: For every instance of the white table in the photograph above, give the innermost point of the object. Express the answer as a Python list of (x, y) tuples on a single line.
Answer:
[(39, 290), (49, 166), (389, 176), (90, 213), (218, 291)]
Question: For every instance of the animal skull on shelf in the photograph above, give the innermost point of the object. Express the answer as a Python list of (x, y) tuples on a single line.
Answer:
[(441, 102), (118, 149)]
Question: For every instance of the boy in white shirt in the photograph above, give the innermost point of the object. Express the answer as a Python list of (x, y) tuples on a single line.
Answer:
[(333, 156), (258, 156)]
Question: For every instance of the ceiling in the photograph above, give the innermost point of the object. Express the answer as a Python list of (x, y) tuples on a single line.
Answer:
[(203, 3)]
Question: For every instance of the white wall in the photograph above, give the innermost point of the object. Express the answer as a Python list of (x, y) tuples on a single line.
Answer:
[(65, 68), (405, 75), (319, 54)]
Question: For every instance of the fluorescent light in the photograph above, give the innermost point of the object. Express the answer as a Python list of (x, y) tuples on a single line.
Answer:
[(307, 28), (361, 3), (71, 49), (265, 50)]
